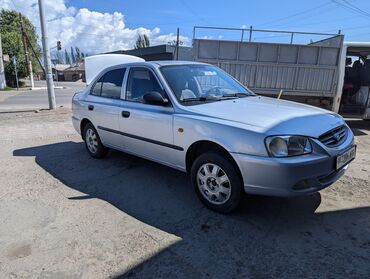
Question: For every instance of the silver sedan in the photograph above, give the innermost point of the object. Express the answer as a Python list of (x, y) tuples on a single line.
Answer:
[(196, 118)]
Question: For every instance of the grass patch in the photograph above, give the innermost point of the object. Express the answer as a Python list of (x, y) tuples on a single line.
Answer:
[(7, 88)]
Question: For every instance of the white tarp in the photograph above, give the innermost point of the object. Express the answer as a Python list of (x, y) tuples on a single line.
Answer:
[(96, 63)]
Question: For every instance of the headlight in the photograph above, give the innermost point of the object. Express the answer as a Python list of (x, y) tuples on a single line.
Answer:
[(285, 146)]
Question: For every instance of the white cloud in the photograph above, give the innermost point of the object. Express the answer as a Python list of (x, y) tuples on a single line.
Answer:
[(93, 32)]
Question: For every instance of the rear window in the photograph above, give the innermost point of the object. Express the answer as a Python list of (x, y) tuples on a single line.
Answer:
[(96, 90), (110, 84)]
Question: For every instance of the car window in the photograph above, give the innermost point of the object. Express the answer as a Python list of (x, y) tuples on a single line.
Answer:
[(109, 85), (96, 90), (112, 84), (203, 82), (140, 82)]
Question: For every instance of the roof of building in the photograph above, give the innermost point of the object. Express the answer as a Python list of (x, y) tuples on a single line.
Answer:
[(80, 66), (60, 67)]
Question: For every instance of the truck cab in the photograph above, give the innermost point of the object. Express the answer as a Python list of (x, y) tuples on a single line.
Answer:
[(353, 96)]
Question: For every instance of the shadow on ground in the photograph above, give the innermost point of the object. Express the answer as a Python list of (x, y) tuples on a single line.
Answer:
[(268, 237), (359, 127)]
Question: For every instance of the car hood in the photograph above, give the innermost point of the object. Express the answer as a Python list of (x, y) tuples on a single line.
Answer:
[(271, 116)]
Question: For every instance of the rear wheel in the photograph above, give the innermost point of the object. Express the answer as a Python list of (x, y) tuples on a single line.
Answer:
[(93, 143), (217, 182)]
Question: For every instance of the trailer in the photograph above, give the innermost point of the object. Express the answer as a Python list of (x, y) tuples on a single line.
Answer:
[(328, 73)]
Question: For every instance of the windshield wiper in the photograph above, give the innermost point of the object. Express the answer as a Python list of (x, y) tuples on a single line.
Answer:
[(236, 95), (201, 99)]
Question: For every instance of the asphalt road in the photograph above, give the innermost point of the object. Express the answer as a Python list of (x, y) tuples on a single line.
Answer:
[(38, 99), (64, 214)]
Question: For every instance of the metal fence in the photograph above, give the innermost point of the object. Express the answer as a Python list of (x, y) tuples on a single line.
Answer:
[(249, 32)]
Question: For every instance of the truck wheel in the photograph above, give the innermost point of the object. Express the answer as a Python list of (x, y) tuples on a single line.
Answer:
[(217, 182), (93, 143)]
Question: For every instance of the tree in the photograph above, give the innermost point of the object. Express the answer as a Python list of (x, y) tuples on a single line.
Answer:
[(66, 57), (12, 44), (73, 57), (78, 55), (142, 41)]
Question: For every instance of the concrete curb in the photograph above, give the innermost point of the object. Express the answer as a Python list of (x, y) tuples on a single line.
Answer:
[(36, 110)]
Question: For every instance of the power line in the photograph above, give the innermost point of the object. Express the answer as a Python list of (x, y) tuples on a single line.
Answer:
[(296, 14), (318, 22), (191, 10), (16, 7), (350, 7), (356, 8)]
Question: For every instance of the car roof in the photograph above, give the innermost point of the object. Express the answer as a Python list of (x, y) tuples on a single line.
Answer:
[(160, 63), (172, 62)]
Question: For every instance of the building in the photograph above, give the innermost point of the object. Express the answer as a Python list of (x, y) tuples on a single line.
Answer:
[(160, 52), (75, 72), (58, 71)]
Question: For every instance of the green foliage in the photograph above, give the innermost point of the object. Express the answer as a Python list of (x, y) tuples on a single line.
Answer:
[(142, 41), (66, 57), (73, 57), (78, 54), (11, 37)]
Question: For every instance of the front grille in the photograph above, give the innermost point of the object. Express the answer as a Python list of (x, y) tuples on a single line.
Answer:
[(334, 137)]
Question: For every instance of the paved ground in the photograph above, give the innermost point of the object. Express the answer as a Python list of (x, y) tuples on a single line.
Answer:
[(26, 99), (66, 215)]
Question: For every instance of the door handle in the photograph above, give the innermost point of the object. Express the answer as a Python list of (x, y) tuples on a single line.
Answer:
[(90, 107), (125, 114)]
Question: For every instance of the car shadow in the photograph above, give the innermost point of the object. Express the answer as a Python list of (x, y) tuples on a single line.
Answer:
[(268, 237), (359, 127)]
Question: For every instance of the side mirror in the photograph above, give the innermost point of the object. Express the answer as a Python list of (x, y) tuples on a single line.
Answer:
[(154, 98)]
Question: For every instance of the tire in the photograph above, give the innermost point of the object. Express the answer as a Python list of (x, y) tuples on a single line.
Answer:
[(217, 192), (93, 143)]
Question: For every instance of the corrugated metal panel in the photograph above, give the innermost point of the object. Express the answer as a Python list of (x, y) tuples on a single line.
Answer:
[(274, 77), (329, 56), (288, 54), (315, 79), (248, 52), (299, 70)]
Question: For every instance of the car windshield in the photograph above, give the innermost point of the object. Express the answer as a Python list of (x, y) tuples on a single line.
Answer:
[(193, 83)]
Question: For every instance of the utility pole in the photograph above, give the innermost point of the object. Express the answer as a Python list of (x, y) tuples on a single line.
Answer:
[(14, 59), (26, 54), (2, 72), (177, 43), (47, 61)]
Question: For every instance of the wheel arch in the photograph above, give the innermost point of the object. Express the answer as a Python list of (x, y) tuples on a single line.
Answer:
[(83, 124), (202, 146)]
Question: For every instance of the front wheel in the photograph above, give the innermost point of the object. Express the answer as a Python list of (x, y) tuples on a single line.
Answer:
[(217, 182), (93, 143)]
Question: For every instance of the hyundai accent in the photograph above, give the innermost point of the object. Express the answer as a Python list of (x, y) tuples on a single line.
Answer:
[(196, 118)]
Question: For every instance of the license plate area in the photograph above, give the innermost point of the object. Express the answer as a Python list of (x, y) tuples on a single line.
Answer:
[(346, 157)]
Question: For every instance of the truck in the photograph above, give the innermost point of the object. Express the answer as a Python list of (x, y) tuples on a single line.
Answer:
[(329, 73)]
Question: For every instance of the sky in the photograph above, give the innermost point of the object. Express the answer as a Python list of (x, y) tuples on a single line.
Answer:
[(101, 26)]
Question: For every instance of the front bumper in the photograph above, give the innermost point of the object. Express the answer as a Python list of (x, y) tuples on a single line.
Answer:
[(292, 176)]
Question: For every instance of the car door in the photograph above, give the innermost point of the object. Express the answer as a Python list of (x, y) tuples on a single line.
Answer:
[(104, 106), (147, 129)]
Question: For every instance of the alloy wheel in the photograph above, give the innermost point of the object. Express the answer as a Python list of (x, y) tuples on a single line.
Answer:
[(213, 183)]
